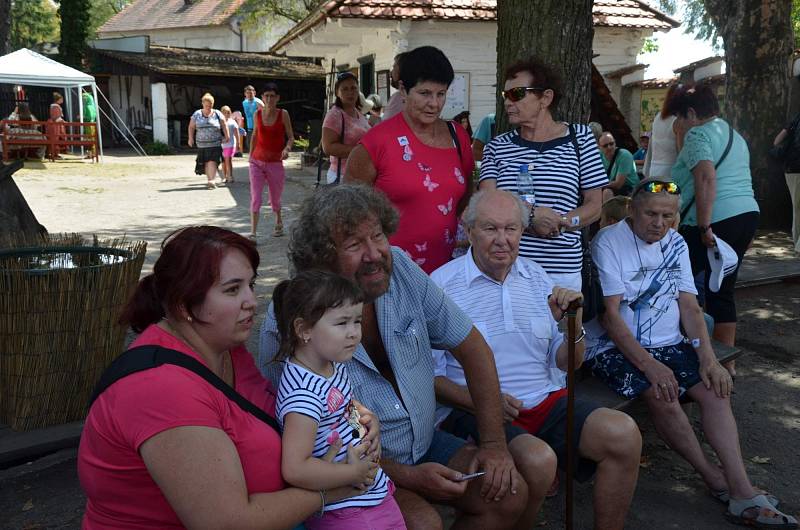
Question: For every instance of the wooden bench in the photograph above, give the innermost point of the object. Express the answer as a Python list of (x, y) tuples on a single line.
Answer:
[(593, 389), (52, 135)]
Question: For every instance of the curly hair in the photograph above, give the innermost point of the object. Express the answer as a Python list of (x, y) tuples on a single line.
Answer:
[(331, 213)]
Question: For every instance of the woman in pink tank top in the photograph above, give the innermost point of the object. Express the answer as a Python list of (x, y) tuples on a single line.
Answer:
[(421, 162), (270, 145)]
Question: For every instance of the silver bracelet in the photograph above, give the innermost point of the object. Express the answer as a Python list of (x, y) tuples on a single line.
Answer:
[(581, 336), (322, 508)]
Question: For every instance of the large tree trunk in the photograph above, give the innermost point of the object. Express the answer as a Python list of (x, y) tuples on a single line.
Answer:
[(560, 33), (17, 222), (758, 46), (5, 26)]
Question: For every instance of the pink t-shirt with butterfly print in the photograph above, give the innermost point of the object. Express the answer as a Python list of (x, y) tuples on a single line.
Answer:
[(424, 183)]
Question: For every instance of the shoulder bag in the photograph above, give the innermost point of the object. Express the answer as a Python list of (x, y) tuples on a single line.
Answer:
[(462, 204), (724, 155), (323, 156), (146, 357)]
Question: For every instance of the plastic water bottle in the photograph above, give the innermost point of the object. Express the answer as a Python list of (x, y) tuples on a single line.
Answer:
[(525, 185)]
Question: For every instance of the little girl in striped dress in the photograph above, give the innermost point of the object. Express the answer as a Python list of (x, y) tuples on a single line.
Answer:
[(319, 321)]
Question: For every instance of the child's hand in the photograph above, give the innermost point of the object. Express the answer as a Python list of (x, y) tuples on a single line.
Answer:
[(364, 469)]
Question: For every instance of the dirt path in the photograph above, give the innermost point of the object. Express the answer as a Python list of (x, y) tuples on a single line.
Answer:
[(147, 199)]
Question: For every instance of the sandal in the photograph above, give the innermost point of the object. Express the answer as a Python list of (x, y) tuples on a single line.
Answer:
[(759, 513), (210, 185), (252, 237), (724, 496), (278, 231)]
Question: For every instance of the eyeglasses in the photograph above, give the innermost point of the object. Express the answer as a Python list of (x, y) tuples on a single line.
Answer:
[(609, 144), (658, 187), (517, 93)]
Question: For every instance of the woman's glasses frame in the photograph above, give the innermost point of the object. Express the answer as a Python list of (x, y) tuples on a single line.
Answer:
[(517, 93)]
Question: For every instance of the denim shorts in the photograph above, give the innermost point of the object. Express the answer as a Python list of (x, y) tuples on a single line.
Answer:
[(442, 449), (625, 379)]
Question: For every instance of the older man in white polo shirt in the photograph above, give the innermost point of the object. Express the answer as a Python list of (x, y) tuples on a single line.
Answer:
[(513, 303)]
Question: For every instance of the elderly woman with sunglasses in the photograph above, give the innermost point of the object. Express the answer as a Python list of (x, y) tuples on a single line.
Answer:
[(561, 161), (344, 125), (713, 169)]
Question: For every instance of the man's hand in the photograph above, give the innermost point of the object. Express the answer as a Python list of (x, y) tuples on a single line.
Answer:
[(662, 379), (715, 376), (496, 461), (560, 300), (373, 437), (437, 482), (511, 406)]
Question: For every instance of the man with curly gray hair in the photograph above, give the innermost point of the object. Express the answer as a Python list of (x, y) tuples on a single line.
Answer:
[(345, 229)]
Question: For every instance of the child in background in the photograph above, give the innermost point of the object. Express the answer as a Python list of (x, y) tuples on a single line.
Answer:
[(237, 116), (228, 149), (319, 320), (614, 210)]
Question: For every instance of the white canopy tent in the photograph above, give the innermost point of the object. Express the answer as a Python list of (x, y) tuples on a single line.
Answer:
[(25, 67)]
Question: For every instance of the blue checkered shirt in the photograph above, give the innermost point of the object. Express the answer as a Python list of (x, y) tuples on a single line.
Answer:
[(414, 315)]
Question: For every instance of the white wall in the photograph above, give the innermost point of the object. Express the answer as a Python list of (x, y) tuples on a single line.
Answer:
[(219, 37), (129, 92)]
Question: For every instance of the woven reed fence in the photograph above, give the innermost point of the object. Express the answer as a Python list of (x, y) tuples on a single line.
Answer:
[(59, 306)]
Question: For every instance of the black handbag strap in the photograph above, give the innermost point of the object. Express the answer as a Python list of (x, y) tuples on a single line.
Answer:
[(724, 155), (339, 165), (454, 136), (144, 358)]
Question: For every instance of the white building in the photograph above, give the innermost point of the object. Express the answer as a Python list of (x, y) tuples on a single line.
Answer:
[(365, 35)]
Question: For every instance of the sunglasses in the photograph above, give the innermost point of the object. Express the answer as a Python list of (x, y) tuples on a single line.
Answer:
[(658, 187), (517, 93), (345, 75)]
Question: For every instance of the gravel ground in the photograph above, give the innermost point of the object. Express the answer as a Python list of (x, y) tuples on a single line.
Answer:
[(149, 198)]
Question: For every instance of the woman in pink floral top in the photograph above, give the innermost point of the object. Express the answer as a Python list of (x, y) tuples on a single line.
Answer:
[(421, 162)]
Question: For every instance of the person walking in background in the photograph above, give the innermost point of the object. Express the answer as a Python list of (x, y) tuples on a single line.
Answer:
[(487, 130), (619, 166), (375, 114), (272, 142), (663, 146), (421, 162), (249, 106), (56, 117), (791, 135), (641, 153), (208, 130), (462, 118), (554, 165), (229, 147), (395, 104), (344, 125), (713, 170)]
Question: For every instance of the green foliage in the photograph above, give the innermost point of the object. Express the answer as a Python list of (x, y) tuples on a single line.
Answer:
[(33, 22), (75, 18), (157, 149), (649, 46), (796, 22), (264, 13), (102, 10), (301, 144)]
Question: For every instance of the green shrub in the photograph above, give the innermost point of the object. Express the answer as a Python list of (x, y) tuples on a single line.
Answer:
[(158, 149)]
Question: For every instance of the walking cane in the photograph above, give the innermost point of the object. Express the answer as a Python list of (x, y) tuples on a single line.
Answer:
[(572, 312)]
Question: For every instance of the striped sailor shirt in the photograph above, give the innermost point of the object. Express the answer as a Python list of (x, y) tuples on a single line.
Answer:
[(414, 316), (327, 401), (559, 178)]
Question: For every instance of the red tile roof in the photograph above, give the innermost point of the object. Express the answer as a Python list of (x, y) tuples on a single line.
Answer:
[(608, 13), (167, 14)]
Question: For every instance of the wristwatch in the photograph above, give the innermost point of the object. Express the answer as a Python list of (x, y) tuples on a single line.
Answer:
[(531, 217)]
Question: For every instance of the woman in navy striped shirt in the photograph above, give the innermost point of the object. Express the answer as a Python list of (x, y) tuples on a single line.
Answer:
[(561, 160)]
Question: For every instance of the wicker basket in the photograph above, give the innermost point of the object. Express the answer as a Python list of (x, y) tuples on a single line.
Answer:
[(59, 306)]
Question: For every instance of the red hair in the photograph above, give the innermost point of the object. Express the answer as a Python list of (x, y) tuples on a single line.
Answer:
[(183, 274)]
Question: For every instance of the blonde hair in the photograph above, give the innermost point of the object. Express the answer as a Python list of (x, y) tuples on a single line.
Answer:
[(615, 210), (225, 109), (208, 97)]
